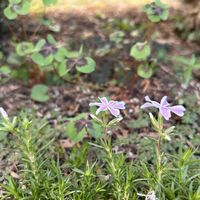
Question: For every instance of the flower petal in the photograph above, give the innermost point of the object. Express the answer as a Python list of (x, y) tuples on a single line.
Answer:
[(178, 110), (114, 112), (104, 100), (155, 104), (101, 108), (165, 112), (95, 104), (146, 105), (3, 113), (164, 101), (118, 105)]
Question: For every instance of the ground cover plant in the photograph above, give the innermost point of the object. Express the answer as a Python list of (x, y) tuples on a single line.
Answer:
[(107, 108)]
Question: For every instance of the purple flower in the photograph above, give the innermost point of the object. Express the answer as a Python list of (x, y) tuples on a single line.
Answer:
[(164, 107), (112, 106)]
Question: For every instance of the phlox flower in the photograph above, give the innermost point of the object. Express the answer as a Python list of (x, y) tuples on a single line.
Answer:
[(113, 106), (164, 107), (3, 113), (150, 196)]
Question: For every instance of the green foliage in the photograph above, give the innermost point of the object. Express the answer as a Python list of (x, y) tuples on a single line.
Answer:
[(17, 7), (146, 70), (186, 67), (117, 36), (49, 55), (73, 133), (140, 51), (92, 171), (39, 93), (51, 24), (49, 2), (24, 48), (156, 11), (5, 70)]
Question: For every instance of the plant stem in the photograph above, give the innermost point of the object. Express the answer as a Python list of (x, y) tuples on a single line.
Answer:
[(105, 135), (159, 159), (105, 121)]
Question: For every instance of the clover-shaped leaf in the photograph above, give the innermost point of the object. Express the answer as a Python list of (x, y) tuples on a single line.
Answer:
[(41, 60), (24, 48), (9, 13), (86, 65), (49, 2), (40, 44), (5, 70), (17, 7), (73, 132), (156, 11), (51, 24), (95, 130), (51, 39), (39, 93), (62, 69), (145, 71), (60, 54), (23, 8), (117, 36), (140, 51), (45, 52)]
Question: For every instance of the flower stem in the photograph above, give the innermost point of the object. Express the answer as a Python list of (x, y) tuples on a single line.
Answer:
[(159, 159), (105, 121), (105, 135)]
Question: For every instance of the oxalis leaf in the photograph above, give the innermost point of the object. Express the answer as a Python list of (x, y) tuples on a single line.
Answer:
[(140, 51), (88, 67), (49, 2), (39, 93), (24, 48), (144, 71)]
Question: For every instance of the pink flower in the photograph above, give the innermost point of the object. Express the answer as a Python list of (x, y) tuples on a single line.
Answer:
[(164, 107), (113, 106)]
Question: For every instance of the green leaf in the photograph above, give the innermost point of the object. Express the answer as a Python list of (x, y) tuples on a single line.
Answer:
[(14, 1), (9, 13), (96, 130), (115, 121), (60, 54), (72, 133), (140, 51), (80, 135), (24, 48), (51, 39), (5, 70), (154, 18), (41, 60), (72, 54), (145, 71), (117, 36), (164, 15), (49, 2), (169, 130), (156, 11), (154, 121), (3, 135), (96, 119), (1, 55), (40, 44), (88, 68), (62, 69), (24, 8), (39, 93)]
